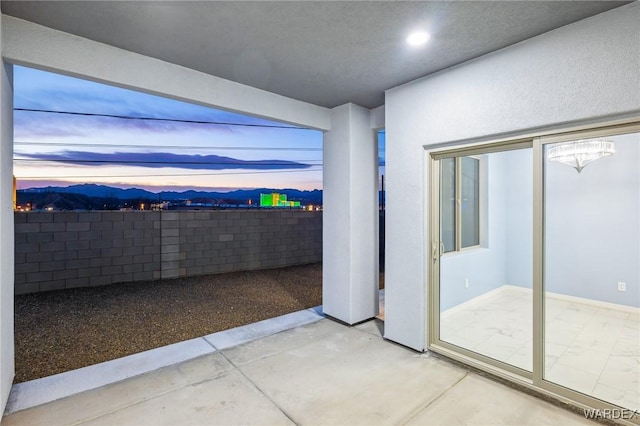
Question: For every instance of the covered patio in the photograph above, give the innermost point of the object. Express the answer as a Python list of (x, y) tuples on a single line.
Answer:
[(298, 369), (496, 74)]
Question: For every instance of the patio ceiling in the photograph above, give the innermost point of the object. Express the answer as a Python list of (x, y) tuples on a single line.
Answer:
[(325, 53)]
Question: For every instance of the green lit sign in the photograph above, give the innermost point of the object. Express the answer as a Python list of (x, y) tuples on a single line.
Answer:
[(277, 200)]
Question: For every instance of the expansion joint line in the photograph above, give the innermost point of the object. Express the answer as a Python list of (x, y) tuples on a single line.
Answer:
[(282, 410), (425, 406)]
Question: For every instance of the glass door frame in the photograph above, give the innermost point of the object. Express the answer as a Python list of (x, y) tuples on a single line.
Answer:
[(434, 342), (533, 380)]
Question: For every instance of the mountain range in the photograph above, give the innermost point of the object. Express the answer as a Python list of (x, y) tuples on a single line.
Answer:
[(104, 191)]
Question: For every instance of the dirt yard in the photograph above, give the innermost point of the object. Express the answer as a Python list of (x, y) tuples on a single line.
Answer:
[(63, 330)]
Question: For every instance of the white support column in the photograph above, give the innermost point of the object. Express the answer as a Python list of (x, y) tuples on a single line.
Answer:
[(350, 270), (7, 365)]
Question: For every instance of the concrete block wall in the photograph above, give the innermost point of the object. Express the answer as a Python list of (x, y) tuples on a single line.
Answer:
[(211, 242), (57, 250)]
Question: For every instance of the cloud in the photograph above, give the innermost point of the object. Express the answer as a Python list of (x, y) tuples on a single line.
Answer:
[(42, 131), (163, 160)]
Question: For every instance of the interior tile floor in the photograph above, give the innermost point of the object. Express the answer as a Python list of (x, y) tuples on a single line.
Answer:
[(322, 372), (591, 348)]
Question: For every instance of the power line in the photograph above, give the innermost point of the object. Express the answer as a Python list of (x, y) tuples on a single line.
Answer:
[(97, 145), (217, 163), (168, 175), (175, 120)]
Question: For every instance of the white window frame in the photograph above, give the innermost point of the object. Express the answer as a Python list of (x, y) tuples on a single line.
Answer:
[(481, 223)]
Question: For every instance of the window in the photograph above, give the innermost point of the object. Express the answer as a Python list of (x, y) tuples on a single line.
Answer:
[(459, 203)]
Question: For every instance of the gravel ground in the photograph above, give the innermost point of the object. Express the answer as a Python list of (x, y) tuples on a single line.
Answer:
[(63, 330)]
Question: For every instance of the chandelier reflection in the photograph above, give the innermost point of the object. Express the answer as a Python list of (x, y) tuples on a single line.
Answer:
[(580, 153)]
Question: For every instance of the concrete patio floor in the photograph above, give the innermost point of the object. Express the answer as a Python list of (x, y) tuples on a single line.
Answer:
[(299, 368)]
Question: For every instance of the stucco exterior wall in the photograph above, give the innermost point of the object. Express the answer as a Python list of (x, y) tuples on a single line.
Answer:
[(6, 229), (586, 72)]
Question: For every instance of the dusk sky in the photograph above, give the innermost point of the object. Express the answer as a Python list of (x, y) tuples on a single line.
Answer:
[(153, 155)]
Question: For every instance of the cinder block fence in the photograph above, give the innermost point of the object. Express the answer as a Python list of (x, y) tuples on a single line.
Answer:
[(57, 250)]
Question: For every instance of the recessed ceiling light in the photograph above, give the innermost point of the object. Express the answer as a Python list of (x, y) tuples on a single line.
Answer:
[(418, 38)]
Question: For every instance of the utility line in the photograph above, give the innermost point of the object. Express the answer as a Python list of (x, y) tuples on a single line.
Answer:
[(175, 120), (217, 163)]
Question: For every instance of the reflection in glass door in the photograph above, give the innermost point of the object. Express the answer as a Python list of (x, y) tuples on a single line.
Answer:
[(485, 276), (592, 267)]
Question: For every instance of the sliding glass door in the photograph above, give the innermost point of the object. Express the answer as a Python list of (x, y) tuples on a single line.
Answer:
[(485, 279), (535, 263), (592, 266)]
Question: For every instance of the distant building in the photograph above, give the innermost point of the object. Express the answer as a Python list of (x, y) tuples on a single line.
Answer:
[(277, 200), (160, 206)]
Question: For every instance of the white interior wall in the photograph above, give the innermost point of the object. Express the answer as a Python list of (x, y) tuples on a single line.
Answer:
[(6, 231), (519, 224), (592, 226), (564, 76)]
